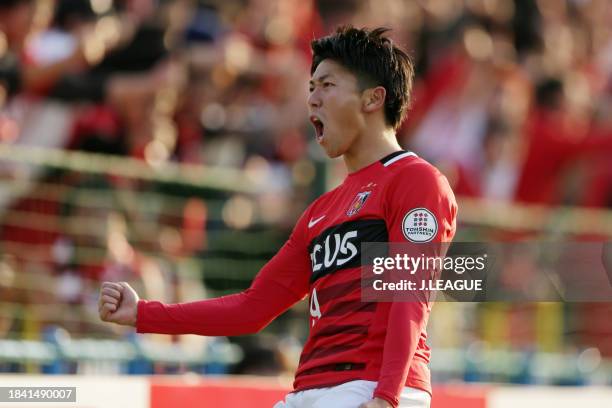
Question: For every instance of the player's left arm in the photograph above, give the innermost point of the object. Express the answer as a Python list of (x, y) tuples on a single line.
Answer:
[(421, 188)]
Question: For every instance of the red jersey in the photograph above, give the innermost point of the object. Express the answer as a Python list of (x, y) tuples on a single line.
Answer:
[(349, 339)]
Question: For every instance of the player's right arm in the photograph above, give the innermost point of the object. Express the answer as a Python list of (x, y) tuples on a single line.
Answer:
[(282, 282)]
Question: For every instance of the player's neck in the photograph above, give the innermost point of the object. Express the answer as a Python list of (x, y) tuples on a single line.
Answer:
[(369, 148)]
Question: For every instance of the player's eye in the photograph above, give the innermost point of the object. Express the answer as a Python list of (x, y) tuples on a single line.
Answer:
[(327, 84)]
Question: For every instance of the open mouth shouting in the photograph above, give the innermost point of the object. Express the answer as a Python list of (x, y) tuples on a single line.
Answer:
[(319, 127)]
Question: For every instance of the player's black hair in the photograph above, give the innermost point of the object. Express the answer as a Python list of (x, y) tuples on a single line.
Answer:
[(375, 60)]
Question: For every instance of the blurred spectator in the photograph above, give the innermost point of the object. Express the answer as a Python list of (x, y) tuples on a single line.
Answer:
[(557, 138)]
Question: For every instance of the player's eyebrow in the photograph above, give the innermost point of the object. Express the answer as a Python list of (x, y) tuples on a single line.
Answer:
[(319, 79)]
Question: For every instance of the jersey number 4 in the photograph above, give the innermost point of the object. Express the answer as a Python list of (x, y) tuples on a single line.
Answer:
[(315, 310)]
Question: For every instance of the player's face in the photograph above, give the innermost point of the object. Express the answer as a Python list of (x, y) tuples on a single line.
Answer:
[(334, 107)]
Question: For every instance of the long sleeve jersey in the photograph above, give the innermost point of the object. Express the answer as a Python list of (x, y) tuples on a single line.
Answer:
[(400, 198)]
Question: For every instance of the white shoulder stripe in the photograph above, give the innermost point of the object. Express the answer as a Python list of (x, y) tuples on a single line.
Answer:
[(399, 157)]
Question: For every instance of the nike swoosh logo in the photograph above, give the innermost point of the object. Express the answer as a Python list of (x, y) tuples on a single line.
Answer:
[(312, 222)]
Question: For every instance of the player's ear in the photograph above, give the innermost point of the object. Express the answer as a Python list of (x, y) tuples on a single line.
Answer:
[(373, 99)]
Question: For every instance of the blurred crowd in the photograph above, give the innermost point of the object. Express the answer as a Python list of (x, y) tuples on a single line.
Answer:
[(512, 101)]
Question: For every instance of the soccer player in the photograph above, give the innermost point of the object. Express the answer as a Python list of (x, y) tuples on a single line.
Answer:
[(358, 354)]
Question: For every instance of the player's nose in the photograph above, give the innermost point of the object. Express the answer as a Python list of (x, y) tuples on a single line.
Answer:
[(314, 99)]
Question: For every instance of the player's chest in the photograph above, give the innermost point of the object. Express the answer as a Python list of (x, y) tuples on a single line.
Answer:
[(339, 226)]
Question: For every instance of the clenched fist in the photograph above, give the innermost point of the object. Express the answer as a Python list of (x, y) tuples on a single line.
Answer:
[(118, 303)]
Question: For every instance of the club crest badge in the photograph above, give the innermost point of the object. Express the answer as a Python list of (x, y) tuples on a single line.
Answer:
[(358, 203)]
